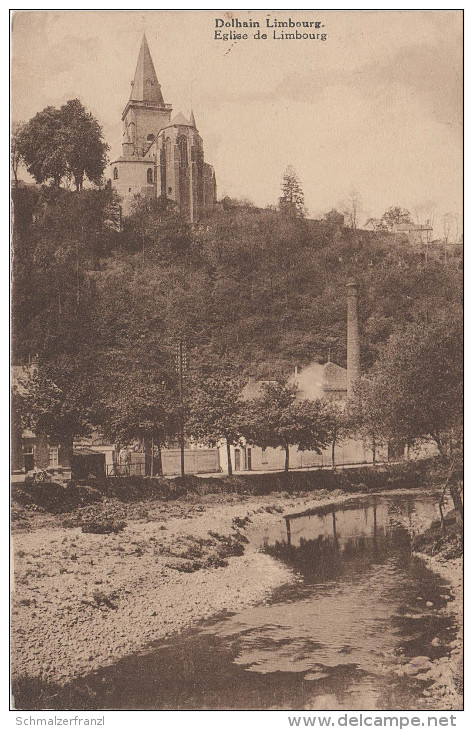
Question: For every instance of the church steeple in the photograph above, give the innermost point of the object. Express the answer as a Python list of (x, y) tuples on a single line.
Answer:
[(145, 86), (145, 113), (192, 119)]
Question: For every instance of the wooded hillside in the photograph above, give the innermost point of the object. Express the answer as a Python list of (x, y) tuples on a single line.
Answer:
[(251, 291)]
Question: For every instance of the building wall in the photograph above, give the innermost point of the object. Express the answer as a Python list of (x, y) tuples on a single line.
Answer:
[(140, 122), (133, 180), (179, 171), (196, 461), (173, 173), (350, 451)]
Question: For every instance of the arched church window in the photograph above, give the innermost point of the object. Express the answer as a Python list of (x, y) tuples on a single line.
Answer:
[(149, 175), (130, 131), (183, 151), (168, 152), (115, 173)]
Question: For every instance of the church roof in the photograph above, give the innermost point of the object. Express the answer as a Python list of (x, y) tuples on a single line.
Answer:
[(145, 84), (180, 120)]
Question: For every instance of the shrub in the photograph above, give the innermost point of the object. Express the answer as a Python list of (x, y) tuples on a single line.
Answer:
[(101, 526)]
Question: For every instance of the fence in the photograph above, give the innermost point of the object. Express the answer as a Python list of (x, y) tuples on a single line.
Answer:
[(197, 461), (125, 470)]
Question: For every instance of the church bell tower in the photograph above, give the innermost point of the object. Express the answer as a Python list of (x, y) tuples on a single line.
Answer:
[(145, 113)]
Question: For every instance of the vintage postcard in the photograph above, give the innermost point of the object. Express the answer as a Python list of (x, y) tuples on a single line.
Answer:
[(237, 362)]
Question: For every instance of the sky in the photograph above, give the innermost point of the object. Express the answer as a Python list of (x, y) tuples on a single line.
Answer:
[(376, 107)]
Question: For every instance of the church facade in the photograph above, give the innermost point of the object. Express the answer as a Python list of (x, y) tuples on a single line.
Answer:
[(162, 155)]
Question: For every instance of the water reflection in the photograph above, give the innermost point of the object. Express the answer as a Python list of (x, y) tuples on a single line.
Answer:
[(342, 536)]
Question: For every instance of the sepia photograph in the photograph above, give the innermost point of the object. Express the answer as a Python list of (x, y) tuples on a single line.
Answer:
[(236, 355)]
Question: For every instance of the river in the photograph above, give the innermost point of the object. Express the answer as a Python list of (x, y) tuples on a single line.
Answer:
[(344, 636)]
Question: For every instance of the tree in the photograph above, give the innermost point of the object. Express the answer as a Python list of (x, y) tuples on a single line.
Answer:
[(340, 425), (395, 216), (145, 412), (65, 142), (137, 384), (334, 218), (352, 208), (276, 419), (366, 414), (215, 413), (60, 240), (414, 390), (15, 154), (42, 146), (157, 228), (418, 381), (376, 224), (291, 202), (85, 149), (56, 400)]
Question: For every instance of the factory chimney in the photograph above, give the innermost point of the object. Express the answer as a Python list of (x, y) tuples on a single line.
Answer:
[(353, 337)]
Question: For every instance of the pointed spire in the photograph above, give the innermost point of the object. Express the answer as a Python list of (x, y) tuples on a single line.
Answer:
[(180, 120), (192, 119), (146, 86)]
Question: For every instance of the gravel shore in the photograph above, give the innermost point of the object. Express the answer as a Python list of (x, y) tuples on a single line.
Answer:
[(82, 601), (446, 674)]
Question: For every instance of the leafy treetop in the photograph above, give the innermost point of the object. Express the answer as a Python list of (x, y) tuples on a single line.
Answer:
[(65, 143), (291, 202)]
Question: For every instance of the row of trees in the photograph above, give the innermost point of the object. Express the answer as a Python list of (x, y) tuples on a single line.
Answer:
[(414, 392), (144, 409)]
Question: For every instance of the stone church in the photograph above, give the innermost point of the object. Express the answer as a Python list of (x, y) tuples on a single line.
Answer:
[(161, 155)]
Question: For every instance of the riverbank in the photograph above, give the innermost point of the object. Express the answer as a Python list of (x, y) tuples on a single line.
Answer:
[(443, 554), (105, 580), (82, 600)]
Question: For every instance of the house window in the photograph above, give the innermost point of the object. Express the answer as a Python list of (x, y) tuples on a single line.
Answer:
[(28, 455), (53, 456), (264, 456), (115, 173), (149, 176)]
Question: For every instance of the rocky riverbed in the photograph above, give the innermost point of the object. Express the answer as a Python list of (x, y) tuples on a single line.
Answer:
[(83, 599)]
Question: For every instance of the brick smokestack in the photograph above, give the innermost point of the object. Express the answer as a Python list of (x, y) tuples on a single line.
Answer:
[(353, 337)]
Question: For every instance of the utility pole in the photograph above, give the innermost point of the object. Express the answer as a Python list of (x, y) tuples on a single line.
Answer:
[(181, 365)]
